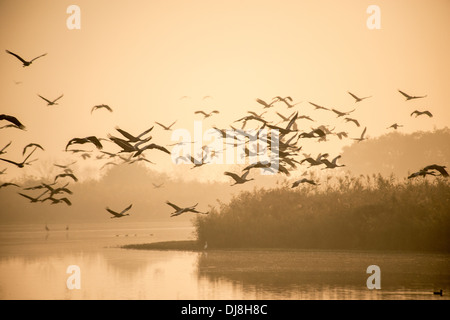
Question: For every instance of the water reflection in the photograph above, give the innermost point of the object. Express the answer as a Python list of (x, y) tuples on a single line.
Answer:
[(33, 266)]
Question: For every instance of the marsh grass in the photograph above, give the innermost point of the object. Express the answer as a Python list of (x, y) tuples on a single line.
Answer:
[(367, 212)]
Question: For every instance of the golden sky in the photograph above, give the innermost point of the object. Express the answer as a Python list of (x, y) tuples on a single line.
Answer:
[(141, 57)]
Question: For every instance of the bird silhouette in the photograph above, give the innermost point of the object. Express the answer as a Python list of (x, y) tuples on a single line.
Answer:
[(341, 114), (167, 128), (51, 102), (352, 120), (332, 164), (24, 62), (6, 184), (32, 199), (238, 179), (91, 139), (395, 126), (13, 120), (361, 138), (24, 161), (179, 211), (31, 145), (304, 180), (440, 169), (2, 151), (419, 113), (119, 214), (101, 106), (408, 97), (265, 104), (318, 106), (357, 99), (62, 175), (206, 115)]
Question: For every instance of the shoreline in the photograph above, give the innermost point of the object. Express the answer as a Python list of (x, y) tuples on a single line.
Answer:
[(195, 246)]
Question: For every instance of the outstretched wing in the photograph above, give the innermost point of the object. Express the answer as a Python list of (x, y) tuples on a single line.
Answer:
[(177, 208), (162, 125), (44, 98), (233, 175), (58, 98), (200, 112), (405, 94), (95, 141), (12, 120), (126, 209), (16, 55), (356, 98), (38, 57), (113, 212)]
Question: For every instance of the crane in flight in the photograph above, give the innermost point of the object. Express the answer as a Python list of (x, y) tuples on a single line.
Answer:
[(24, 161), (395, 126), (101, 106), (119, 214), (24, 62), (419, 113), (361, 138), (167, 128), (304, 180), (206, 115), (13, 120), (51, 102), (91, 139), (239, 179), (179, 211), (358, 99), (408, 97)]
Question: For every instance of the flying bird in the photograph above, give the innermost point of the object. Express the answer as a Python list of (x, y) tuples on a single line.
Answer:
[(91, 139), (395, 126), (132, 138), (332, 164), (2, 151), (157, 186), (421, 173), (51, 102), (286, 100), (352, 120), (25, 63), (318, 106), (408, 97), (265, 104), (101, 106), (361, 138), (206, 115), (439, 168), (23, 163), (304, 180), (56, 201), (179, 211), (419, 113), (168, 128), (5, 184), (357, 99), (13, 120), (32, 145), (238, 179), (31, 198), (151, 146), (119, 214), (62, 175), (341, 114)]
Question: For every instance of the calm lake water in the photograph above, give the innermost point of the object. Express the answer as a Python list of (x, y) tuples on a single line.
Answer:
[(34, 262)]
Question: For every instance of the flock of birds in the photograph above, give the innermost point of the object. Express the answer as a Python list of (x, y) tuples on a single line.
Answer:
[(133, 148)]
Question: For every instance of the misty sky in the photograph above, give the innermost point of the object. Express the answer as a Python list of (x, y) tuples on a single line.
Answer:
[(141, 57)]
